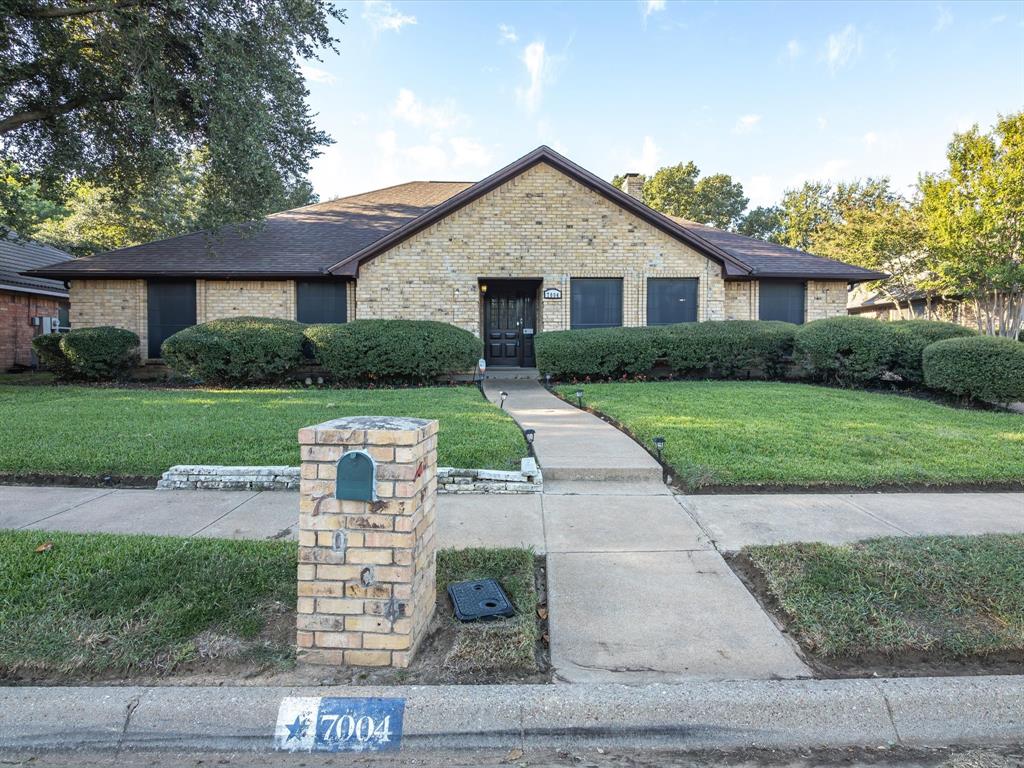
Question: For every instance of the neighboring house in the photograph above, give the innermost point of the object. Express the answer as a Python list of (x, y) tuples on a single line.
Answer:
[(540, 245), (951, 309), (29, 306)]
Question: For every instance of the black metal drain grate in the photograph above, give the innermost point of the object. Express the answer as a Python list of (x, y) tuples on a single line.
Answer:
[(480, 599)]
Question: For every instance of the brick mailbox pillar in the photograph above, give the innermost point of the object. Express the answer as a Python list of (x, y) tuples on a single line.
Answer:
[(366, 540)]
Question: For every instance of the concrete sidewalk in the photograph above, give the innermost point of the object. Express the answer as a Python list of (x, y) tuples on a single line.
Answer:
[(692, 716)]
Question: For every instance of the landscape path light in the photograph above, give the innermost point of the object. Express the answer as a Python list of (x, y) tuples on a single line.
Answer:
[(504, 397), (529, 434), (579, 398), (659, 445)]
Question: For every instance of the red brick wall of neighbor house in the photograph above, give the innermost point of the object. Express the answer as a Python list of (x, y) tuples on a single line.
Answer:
[(16, 329)]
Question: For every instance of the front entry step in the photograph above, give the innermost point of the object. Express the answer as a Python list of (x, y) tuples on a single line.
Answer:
[(603, 474), (504, 373)]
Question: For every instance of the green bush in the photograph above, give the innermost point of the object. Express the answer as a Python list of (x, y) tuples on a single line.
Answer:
[(914, 336), (599, 353), (236, 351), (980, 368), (99, 354), (850, 351), (393, 351), (730, 348), (47, 349)]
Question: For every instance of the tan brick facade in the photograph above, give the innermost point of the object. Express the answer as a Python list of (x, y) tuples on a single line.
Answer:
[(121, 303), (366, 577), (541, 224), (235, 298), (741, 300), (825, 298)]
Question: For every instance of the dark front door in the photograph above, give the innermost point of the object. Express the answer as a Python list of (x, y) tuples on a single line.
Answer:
[(510, 312), (172, 307)]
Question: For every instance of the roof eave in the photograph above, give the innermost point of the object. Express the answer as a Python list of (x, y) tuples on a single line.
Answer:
[(172, 273)]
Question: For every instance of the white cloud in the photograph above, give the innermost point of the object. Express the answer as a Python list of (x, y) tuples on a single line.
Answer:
[(842, 46), (507, 34), (870, 139), (469, 152), (945, 19), (747, 123), (410, 109), (822, 122), (761, 191), (793, 49), (384, 17), (647, 161), (652, 6), (535, 60), (315, 74)]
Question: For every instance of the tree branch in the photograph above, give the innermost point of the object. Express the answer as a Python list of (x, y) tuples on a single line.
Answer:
[(60, 12), (8, 124)]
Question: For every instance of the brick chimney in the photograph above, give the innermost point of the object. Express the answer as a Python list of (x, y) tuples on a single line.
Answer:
[(634, 186)]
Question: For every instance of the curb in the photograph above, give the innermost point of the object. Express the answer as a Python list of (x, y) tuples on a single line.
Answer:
[(913, 712)]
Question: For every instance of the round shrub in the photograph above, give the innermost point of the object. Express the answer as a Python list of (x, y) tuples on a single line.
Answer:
[(730, 348), (980, 368), (914, 336), (47, 348), (236, 351), (599, 353), (393, 351), (100, 354), (850, 351)]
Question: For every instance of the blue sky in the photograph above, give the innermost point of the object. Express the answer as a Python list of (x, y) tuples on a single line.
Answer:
[(771, 93)]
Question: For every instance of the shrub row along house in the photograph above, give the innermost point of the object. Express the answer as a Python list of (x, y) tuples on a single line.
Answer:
[(540, 245)]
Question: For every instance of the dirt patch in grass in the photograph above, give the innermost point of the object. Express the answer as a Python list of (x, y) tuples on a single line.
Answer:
[(896, 607)]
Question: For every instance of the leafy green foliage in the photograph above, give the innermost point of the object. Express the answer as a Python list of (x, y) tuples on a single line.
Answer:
[(771, 433), (914, 336), (764, 223), (236, 351), (103, 353), (95, 431), (22, 205), (954, 597), (116, 93), (981, 368), (679, 190), (599, 353), (47, 348), (393, 351), (99, 603), (850, 351), (730, 348)]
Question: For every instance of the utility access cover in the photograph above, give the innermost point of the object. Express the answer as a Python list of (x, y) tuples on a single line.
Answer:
[(480, 599)]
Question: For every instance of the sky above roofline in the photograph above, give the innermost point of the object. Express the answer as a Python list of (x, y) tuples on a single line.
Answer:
[(772, 93)]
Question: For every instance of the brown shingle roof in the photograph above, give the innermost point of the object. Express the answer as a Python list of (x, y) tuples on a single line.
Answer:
[(337, 236), (17, 257)]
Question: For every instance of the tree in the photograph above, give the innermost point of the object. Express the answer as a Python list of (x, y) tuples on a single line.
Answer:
[(21, 199), (763, 222), (115, 93), (974, 215), (680, 190)]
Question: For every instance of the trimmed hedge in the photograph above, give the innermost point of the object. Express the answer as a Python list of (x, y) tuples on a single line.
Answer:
[(600, 352), (914, 336), (980, 368), (96, 354), (236, 351), (393, 351), (850, 351), (730, 348)]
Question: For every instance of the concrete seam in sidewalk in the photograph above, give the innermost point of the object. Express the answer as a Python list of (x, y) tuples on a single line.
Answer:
[(873, 516), (892, 717), (68, 509), (217, 520), (689, 513)]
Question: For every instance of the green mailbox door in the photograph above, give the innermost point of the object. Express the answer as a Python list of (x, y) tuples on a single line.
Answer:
[(357, 477)]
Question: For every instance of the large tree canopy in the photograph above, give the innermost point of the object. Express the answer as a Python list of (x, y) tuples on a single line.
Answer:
[(680, 190), (115, 93)]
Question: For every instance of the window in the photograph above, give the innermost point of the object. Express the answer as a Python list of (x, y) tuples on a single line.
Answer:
[(596, 302), (322, 301), (782, 300), (671, 300), (171, 308)]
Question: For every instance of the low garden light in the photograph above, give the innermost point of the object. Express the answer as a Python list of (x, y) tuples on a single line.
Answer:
[(547, 379), (504, 397), (529, 434), (579, 398), (659, 445)]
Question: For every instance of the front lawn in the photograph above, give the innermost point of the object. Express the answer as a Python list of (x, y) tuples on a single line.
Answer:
[(723, 433), (941, 597), (94, 431)]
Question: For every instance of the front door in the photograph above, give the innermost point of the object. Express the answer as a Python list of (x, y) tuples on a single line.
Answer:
[(510, 311)]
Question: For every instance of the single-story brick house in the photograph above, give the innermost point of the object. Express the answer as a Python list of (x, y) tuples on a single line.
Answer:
[(540, 245), (29, 306)]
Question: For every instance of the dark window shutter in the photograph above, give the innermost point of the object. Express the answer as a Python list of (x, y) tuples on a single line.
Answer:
[(171, 308), (596, 302), (671, 300), (782, 300), (322, 301)]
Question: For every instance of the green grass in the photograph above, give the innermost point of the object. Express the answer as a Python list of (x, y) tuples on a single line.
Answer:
[(507, 644), (97, 431), (954, 596), (765, 433), (100, 603)]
